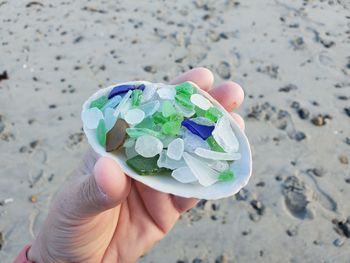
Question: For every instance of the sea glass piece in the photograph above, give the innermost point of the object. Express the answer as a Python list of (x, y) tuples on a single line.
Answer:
[(166, 162), (112, 103), (185, 88), (166, 93), (184, 101), (203, 121), (116, 137), (171, 128), (206, 176), (148, 146), (148, 93), (213, 155), (188, 113), (136, 97), (214, 145), (166, 140), (202, 131), (183, 175), (99, 102), (101, 132), (121, 89), (226, 175), (147, 123), (219, 165), (137, 132), (158, 118), (168, 109), (213, 114), (91, 117), (150, 108), (176, 149), (200, 101), (130, 152), (129, 142), (224, 135), (144, 166), (134, 116), (199, 112), (192, 141), (110, 119), (122, 104)]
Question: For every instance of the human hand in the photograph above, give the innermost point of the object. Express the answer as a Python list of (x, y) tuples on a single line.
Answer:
[(102, 215)]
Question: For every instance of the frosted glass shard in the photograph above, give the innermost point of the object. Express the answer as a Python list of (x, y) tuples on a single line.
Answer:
[(112, 103), (134, 116), (219, 165), (166, 162), (110, 119), (206, 176), (192, 141), (121, 106), (176, 149), (200, 101), (148, 93), (91, 117), (150, 107), (205, 153), (130, 142), (203, 121), (185, 112), (148, 146), (166, 93), (224, 135), (184, 175), (130, 152)]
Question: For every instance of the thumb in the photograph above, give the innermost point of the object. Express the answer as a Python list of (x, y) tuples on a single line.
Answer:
[(105, 189)]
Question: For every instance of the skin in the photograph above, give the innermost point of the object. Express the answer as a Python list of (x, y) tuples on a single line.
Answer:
[(102, 215)]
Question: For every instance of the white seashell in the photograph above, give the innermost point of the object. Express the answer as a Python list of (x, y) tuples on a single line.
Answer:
[(217, 155), (91, 117), (184, 175), (165, 182), (200, 101)]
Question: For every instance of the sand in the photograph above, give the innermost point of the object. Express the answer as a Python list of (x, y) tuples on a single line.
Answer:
[(291, 57)]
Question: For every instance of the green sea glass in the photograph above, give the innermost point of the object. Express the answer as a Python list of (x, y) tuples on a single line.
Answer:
[(137, 132), (168, 109), (147, 123), (144, 166), (185, 88), (184, 100), (171, 128), (158, 118), (101, 132), (199, 112), (226, 175), (99, 103), (213, 114), (136, 97), (214, 145)]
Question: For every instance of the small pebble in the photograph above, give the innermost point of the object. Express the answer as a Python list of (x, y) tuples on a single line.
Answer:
[(33, 199), (148, 146), (343, 159), (318, 120), (295, 105), (224, 70), (303, 113), (347, 111), (339, 242)]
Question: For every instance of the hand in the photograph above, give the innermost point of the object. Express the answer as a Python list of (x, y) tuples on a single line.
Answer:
[(102, 215)]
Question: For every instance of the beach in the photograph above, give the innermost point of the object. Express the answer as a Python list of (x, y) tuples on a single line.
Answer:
[(292, 60)]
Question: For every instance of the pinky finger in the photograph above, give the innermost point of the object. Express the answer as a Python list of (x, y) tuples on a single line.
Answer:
[(239, 120)]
